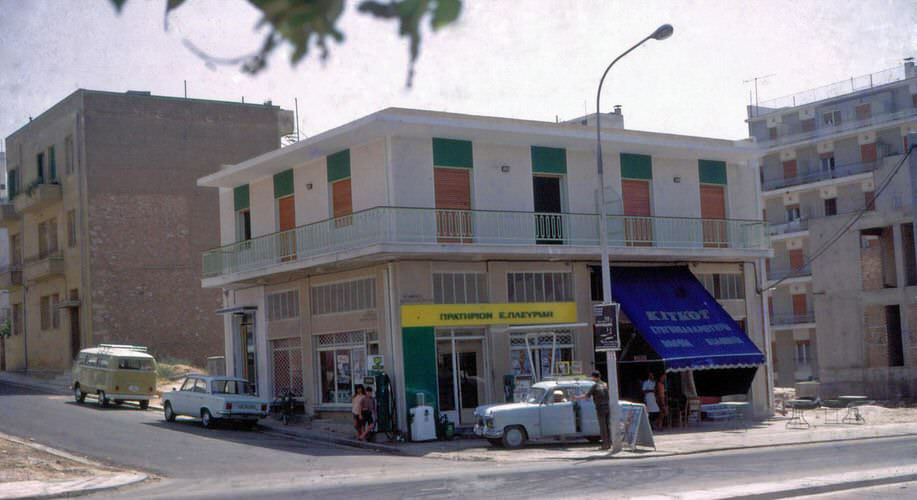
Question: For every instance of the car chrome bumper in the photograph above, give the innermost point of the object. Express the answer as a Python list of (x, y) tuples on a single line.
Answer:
[(129, 397), (241, 416), (485, 432)]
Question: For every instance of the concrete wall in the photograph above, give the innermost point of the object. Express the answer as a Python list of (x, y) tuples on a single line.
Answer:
[(149, 222)]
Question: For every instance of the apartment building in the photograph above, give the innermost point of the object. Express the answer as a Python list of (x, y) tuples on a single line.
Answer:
[(461, 252), (848, 319), (106, 222)]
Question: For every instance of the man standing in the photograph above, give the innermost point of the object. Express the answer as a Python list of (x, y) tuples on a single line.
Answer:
[(599, 394)]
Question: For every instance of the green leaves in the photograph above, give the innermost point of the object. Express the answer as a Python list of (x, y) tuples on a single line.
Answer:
[(313, 23)]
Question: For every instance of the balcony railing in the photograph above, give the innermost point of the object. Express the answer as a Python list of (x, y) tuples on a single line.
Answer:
[(10, 276), (792, 319), (849, 122), (854, 84), (775, 274), (40, 268), (788, 227), (820, 175), (428, 226)]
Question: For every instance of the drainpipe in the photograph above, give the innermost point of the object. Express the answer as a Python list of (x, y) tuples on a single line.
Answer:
[(25, 324)]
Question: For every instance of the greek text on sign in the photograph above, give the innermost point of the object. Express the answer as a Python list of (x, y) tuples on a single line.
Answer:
[(488, 314)]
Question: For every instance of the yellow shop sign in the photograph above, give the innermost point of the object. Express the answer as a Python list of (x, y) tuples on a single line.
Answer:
[(533, 313)]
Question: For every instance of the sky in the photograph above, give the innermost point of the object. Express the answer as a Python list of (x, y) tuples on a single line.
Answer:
[(532, 59)]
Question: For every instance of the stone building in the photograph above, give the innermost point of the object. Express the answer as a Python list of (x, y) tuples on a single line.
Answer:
[(107, 224), (461, 252), (848, 318)]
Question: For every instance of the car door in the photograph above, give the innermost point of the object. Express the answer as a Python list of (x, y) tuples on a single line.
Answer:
[(179, 398), (557, 414), (197, 398)]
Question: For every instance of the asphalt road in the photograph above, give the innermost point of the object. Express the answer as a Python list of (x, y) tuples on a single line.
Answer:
[(193, 462)]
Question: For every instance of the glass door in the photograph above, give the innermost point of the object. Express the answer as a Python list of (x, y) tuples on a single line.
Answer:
[(461, 375)]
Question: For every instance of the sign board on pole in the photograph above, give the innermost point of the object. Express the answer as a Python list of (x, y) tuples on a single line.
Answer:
[(606, 327)]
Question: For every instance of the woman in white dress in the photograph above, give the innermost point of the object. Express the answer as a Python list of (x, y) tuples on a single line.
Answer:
[(649, 397)]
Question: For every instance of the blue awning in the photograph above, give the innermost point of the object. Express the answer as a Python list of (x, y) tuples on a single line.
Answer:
[(680, 320)]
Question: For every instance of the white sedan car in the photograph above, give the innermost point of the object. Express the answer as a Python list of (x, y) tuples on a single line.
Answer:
[(214, 399)]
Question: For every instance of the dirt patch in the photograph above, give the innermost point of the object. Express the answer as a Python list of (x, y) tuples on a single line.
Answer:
[(19, 462), (171, 373)]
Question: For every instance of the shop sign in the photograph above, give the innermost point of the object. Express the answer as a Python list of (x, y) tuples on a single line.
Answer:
[(533, 313), (607, 337), (375, 362)]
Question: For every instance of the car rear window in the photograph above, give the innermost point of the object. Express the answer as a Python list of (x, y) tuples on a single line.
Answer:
[(135, 364), (229, 387)]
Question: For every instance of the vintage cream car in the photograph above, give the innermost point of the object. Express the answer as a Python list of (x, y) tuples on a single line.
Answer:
[(547, 411), (214, 399)]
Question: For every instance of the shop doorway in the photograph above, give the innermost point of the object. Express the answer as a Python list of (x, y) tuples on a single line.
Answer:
[(461, 373), (246, 364)]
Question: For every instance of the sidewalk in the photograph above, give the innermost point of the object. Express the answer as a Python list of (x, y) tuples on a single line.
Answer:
[(56, 383)]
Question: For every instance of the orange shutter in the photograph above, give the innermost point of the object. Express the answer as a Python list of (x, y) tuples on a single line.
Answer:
[(713, 211), (341, 198), (789, 169), (638, 231), (799, 304), (286, 220), (868, 152), (452, 190), (797, 259)]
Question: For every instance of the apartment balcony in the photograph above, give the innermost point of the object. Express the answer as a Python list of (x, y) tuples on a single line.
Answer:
[(37, 196), (788, 228), (428, 232), (43, 268), (792, 320), (819, 175), (777, 273), (10, 276), (885, 115), (8, 214)]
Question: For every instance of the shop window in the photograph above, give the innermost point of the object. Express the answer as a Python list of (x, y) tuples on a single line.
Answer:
[(286, 365), (282, 305), (539, 287), (459, 288), (348, 296), (342, 363), (551, 354)]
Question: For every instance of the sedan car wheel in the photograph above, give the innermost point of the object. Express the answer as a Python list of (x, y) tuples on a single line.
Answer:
[(206, 418), (168, 413), (514, 437)]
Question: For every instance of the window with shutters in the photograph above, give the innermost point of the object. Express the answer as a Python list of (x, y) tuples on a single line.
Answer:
[(800, 307), (459, 288), (869, 152), (338, 172), (282, 305), (827, 162), (539, 287), (44, 307), (831, 206), (55, 311), (452, 192), (52, 235), (40, 167), (725, 286), (52, 164), (347, 296), (42, 240), (792, 213), (789, 169), (803, 352), (863, 111), (243, 225), (831, 118)]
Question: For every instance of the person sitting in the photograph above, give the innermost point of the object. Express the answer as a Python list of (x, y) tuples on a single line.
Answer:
[(559, 397)]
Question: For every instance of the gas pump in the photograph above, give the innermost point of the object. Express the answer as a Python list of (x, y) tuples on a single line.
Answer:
[(385, 400)]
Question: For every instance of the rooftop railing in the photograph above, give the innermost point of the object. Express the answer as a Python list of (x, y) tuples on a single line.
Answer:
[(853, 84), (819, 175), (847, 123), (432, 227)]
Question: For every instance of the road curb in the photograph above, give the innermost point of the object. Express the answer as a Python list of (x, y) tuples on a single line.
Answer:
[(53, 489), (324, 438)]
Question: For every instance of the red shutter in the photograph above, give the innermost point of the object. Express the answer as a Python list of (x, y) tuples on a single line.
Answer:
[(452, 190), (789, 169), (797, 259), (341, 198), (868, 152), (713, 211), (638, 228), (799, 304), (286, 220)]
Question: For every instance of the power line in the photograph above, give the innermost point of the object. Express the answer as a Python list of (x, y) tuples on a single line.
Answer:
[(857, 216)]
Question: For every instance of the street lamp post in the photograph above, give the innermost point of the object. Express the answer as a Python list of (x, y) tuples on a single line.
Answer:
[(661, 33)]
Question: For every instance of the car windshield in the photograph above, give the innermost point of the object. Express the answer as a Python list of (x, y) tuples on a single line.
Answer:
[(229, 387), (135, 364), (534, 395)]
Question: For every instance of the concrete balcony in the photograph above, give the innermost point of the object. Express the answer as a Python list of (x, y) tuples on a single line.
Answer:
[(38, 196), (818, 176), (788, 273), (387, 232), (10, 277), (43, 268), (779, 321), (8, 214), (788, 228)]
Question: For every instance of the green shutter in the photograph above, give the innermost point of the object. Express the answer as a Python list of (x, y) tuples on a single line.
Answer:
[(13, 183), (419, 349), (52, 164), (549, 160), (712, 172), (452, 153), (240, 197), (339, 166), (635, 166), (283, 184)]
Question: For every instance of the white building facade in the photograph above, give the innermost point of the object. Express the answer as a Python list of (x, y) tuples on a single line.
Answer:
[(848, 318), (463, 250)]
